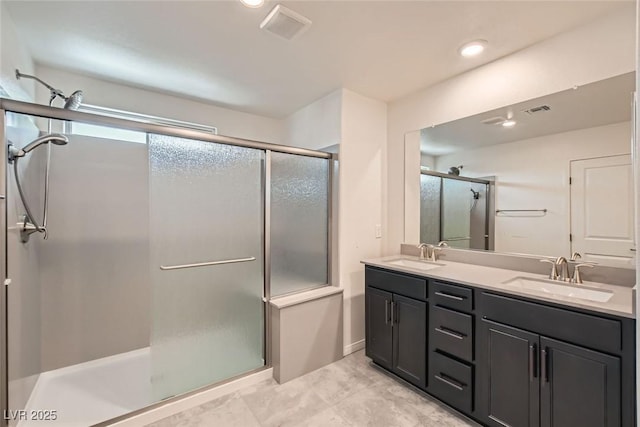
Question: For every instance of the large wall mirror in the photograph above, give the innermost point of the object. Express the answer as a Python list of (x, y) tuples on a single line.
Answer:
[(549, 176)]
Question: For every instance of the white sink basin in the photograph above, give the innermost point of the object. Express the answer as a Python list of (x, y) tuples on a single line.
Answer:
[(418, 265), (549, 287)]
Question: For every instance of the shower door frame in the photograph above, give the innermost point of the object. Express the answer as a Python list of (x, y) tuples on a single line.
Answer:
[(47, 112)]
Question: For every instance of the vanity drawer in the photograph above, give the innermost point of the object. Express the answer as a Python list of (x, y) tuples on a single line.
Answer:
[(409, 286), (590, 331), (452, 296), (451, 332), (451, 381)]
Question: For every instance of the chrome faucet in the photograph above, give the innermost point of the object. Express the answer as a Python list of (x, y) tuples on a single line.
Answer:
[(424, 250), (443, 244), (560, 268), (563, 275)]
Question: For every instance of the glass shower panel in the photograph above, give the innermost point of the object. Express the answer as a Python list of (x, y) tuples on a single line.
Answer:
[(206, 206), (456, 212), (299, 222), (430, 208)]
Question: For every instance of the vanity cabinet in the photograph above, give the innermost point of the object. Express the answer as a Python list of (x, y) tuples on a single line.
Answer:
[(501, 359), (396, 335)]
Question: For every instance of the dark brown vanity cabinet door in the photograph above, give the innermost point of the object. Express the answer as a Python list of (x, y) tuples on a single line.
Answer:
[(378, 328), (509, 386), (410, 339), (579, 387)]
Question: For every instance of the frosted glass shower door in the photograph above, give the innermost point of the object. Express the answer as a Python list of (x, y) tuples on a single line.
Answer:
[(456, 212), (206, 206), (430, 192)]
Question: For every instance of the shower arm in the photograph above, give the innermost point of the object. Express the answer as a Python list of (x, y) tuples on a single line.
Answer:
[(54, 93)]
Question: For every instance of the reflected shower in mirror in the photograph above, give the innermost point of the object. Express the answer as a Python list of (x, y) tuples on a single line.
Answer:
[(558, 177), (454, 209)]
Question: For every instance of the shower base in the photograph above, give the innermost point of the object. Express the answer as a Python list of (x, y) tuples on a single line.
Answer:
[(94, 391)]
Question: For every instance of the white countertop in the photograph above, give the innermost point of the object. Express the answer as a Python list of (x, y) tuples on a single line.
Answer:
[(477, 276)]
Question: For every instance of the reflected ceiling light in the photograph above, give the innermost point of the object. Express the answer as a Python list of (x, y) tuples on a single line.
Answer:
[(472, 48), (252, 3), (509, 123)]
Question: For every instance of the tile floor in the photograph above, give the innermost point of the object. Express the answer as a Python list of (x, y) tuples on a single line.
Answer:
[(349, 392)]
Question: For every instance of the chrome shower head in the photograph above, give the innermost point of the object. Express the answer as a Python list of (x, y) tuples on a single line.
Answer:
[(73, 101), (54, 138)]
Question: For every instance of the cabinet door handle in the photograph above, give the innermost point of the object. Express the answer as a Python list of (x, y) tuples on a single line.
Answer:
[(450, 333), (544, 374), (392, 304), (449, 382), (386, 312), (532, 362), (395, 313), (455, 297)]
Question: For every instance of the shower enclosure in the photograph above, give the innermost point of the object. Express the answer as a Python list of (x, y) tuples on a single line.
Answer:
[(164, 247), (454, 209)]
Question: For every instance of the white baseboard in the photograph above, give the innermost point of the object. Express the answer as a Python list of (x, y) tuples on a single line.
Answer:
[(353, 347), (194, 400)]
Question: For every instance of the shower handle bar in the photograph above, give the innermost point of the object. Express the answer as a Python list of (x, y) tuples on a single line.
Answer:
[(521, 210), (205, 264)]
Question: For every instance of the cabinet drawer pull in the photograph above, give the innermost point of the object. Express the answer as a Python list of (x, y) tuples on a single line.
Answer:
[(532, 362), (450, 382), (455, 297), (450, 333)]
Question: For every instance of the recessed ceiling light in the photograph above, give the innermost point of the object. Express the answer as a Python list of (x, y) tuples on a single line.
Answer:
[(252, 3), (509, 123), (472, 48)]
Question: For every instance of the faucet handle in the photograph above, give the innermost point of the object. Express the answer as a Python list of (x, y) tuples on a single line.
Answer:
[(575, 256), (443, 244), (554, 270), (577, 278)]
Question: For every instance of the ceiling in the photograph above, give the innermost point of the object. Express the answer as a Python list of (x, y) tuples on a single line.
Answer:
[(596, 104), (214, 51)]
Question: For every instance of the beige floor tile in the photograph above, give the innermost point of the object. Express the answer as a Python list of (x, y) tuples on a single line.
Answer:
[(285, 405)]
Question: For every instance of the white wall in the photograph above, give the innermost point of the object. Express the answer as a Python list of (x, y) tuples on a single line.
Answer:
[(114, 95), (362, 179), (427, 160), (577, 57), (318, 125), (534, 174), (14, 54)]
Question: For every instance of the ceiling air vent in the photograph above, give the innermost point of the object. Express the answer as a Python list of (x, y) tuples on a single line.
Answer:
[(285, 23), (539, 109)]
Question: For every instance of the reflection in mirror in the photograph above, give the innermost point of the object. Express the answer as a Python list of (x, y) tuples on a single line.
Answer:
[(555, 174), (454, 209)]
